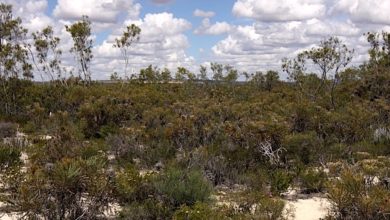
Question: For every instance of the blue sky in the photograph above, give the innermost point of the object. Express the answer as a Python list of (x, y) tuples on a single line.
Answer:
[(251, 35), (184, 9)]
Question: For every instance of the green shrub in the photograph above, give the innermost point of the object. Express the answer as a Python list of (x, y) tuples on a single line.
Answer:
[(199, 211), (252, 204), (149, 209), (352, 198), (7, 129), (280, 181), (313, 180), (131, 187), (9, 156), (181, 186), (269, 208), (302, 146)]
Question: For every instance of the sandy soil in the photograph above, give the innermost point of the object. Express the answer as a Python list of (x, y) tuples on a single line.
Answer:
[(308, 209)]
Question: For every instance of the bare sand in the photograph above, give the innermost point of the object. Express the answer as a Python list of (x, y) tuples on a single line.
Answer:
[(308, 209)]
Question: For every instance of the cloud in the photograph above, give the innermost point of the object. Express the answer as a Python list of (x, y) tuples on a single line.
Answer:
[(32, 13), (158, 45), (215, 29), (162, 1), (204, 14), (373, 11), (104, 11), (279, 10), (262, 45)]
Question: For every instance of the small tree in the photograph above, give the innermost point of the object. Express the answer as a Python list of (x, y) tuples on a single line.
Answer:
[(129, 36), (13, 52), (329, 58), (217, 70), (203, 73), (183, 74), (271, 78), (14, 62), (231, 74), (166, 75), (48, 53), (82, 45)]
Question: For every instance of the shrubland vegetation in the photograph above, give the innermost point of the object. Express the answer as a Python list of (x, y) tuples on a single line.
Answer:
[(164, 150)]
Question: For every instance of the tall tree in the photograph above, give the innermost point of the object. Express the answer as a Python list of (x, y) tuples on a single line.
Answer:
[(82, 45), (329, 58), (48, 53), (217, 70), (14, 62), (379, 51), (13, 52), (203, 73), (129, 36)]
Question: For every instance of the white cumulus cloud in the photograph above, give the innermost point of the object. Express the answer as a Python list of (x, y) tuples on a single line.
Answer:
[(204, 14), (280, 10)]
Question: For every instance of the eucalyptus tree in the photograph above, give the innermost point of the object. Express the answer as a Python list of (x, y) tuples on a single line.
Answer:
[(129, 36), (329, 58), (82, 45), (166, 75), (47, 52), (14, 61), (217, 70), (13, 52), (203, 73), (184, 74), (379, 51), (231, 74)]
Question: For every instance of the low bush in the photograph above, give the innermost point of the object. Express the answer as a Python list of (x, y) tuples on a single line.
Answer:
[(313, 180), (280, 181), (199, 211), (9, 156), (183, 187), (149, 209), (7, 129), (352, 198)]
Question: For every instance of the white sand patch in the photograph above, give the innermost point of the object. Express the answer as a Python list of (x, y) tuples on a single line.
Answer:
[(308, 209), (9, 216)]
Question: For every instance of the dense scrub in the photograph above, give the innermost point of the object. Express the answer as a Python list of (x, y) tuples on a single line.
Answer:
[(192, 148)]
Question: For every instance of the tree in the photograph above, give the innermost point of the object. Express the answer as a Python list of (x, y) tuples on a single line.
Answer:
[(271, 78), (231, 74), (149, 74), (166, 75), (183, 73), (217, 70), (14, 62), (82, 45), (380, 50), (13, 52), (48, 53), (329, 58), (129, 36), (203, 73)]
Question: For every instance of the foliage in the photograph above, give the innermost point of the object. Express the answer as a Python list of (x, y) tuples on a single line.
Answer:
[(157, 146), (7, 129), (180, 186), (313, 180), (9, 157), (48, 53), (198, 211), (13, 52), (129, 36), (82, 45), (280, 181), (352, 199)]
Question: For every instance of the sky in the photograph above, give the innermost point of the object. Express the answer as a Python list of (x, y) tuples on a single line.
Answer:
[(251, 35)]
